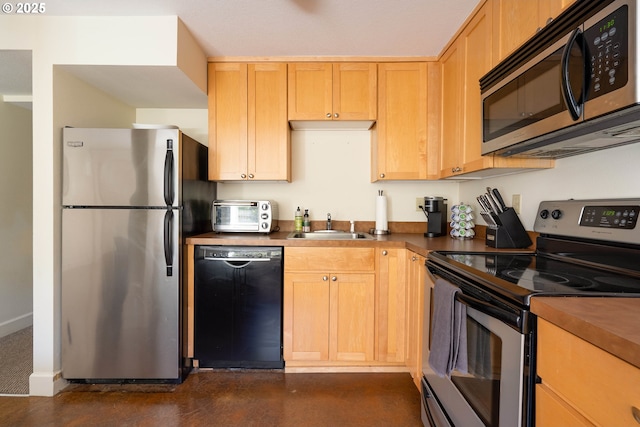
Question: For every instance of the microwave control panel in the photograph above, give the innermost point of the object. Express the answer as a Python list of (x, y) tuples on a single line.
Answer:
[(607, 46)]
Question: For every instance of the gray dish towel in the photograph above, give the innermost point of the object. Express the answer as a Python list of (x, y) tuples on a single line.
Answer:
[(448, 331)]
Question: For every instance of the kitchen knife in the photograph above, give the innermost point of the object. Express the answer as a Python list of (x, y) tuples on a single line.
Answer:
[(489, 204), (482, 204), (494, 202), (485, 204), (499, 199)]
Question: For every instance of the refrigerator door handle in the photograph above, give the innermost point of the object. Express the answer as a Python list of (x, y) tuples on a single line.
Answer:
[(169, 191), (168, 241)]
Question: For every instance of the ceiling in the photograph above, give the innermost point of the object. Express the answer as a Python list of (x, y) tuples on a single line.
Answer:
[(261, 28)]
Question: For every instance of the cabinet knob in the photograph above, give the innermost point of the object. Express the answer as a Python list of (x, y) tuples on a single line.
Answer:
[(325, 278), (384, 253), (243, 176), (328, 115), (336, 115), (251, 176), (414, 258), (636, 414), (334, 278), (381, 175)]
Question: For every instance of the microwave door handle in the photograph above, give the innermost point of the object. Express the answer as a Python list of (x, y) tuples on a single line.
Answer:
[(574, 106)]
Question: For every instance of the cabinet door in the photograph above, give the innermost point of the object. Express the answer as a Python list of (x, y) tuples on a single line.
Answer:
[(517, 21), (399, 145), (391, 304), (352, 324), (269, 144), (452, 63), (467, 59), (551, 410), (475, 42), (227, 98), (355, 91), (310, 91), (306, 317), (415, 312), (595, 383)]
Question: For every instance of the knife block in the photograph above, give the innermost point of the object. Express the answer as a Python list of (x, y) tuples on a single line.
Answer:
[(508, 231)]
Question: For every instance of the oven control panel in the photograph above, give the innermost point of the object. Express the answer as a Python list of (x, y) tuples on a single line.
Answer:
[(610, 216), (606, 219)]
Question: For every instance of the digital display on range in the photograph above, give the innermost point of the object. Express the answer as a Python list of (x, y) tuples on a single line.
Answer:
[(610, 216)]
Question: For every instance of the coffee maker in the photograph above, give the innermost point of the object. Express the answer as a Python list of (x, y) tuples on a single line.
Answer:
[(435, 209)]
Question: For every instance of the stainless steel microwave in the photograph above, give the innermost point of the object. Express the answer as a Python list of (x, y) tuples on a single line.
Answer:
[(244, 216), (570, 89)]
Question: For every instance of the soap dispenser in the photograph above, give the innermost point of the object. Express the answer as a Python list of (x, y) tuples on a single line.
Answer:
[(306, 223), (297, 220)]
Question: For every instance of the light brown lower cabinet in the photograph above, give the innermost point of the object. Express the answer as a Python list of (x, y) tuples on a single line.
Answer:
[(391, 313), (329, 305), (582, 385), (415, 312)]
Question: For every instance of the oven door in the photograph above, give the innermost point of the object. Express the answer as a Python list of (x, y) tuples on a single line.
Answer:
[(492, 393)]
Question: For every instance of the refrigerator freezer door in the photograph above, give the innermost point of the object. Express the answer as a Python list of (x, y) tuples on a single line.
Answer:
[(121, 167), (120, 306)]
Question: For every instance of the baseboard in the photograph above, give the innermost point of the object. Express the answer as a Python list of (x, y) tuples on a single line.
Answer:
[(344, 369), (46, 383), (14, 325)]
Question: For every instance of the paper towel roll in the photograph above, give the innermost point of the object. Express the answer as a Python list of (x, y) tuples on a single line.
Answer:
[(381, 214)]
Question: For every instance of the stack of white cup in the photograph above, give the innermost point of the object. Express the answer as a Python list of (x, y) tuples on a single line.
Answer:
[(462, 222)]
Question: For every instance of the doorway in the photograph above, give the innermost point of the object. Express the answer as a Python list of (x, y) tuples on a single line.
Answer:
[(16, 220)]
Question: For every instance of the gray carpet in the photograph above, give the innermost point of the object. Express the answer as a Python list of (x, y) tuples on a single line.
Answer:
[(16, 361)]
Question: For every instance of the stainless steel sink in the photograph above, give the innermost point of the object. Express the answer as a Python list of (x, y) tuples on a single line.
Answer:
[(330, 235)]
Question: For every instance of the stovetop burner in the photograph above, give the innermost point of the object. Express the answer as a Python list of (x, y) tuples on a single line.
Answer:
[(544, 279), (584, 248), (539, 275)]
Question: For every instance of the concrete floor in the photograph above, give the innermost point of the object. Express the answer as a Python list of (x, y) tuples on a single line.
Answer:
[(228, 398)]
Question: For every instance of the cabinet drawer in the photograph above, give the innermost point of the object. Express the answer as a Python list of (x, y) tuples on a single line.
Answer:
[(329, 259), (599, 385), (553, 411)]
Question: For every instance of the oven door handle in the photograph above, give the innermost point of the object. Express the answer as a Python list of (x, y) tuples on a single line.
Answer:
[(500, 314)]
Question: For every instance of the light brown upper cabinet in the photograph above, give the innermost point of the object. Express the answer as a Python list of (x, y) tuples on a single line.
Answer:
[(405, 123), (249, 136), (517, 21), (325, 91), (466, 60)]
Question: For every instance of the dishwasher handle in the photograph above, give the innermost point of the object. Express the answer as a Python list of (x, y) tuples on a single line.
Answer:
[(237, 259), (237, 262)]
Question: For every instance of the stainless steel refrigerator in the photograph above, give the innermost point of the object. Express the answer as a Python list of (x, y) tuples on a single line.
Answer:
[(129, 199)]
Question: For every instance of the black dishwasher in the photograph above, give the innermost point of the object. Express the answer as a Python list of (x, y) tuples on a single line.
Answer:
[(238, 307)]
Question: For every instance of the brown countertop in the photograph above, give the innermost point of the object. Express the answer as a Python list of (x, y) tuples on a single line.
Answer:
[(609, 323), (412, 241)]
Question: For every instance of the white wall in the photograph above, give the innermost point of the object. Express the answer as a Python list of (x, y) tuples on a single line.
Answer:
[(611, 173), (331, 173), (137, 41), (16, 251)]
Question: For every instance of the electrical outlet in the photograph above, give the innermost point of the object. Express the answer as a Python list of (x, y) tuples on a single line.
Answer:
[(516, 202), (419, 202)]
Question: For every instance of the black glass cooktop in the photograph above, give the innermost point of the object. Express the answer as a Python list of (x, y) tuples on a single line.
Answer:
[(549, 276)]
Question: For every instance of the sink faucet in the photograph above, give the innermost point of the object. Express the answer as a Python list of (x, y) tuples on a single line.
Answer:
[(352, 229), (329, 221)]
